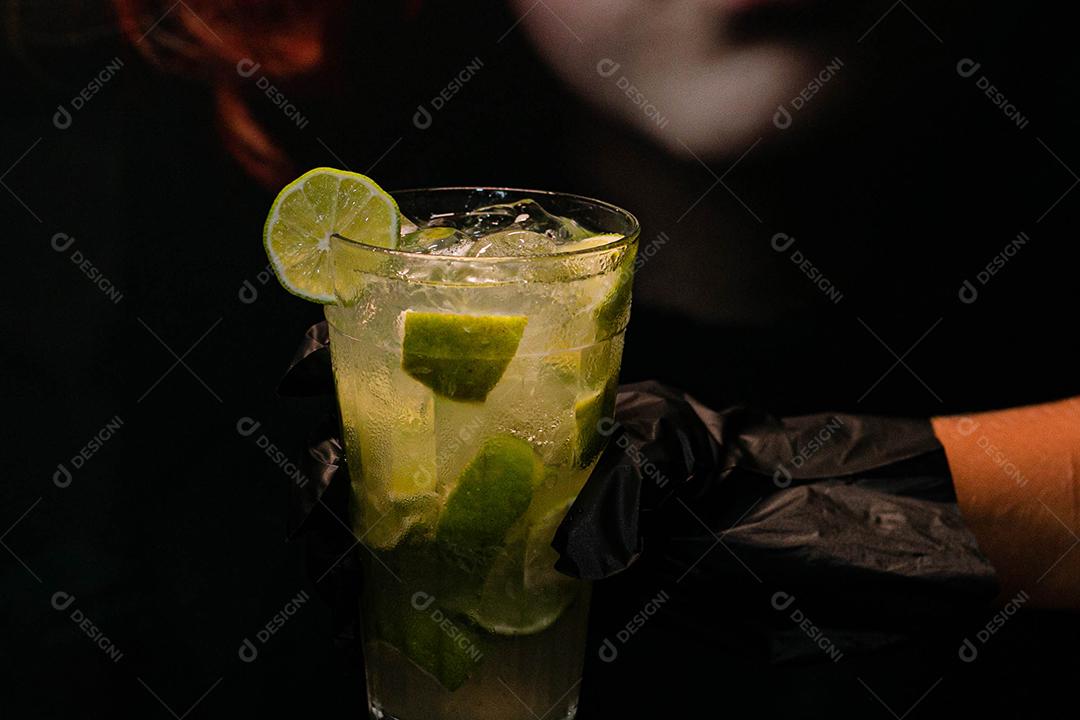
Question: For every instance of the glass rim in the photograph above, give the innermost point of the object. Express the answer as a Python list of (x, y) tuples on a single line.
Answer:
[(627, 238)]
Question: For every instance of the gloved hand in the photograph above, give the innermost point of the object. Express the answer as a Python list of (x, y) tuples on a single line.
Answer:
[(856, 496)]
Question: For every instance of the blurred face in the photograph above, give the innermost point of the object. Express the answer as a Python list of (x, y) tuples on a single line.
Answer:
[(700, 75)]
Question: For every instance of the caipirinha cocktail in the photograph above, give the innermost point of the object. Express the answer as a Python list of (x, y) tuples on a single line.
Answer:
[(476, 345)]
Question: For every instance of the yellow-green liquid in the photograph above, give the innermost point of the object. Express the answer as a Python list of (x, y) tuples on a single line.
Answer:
[(463, 634)]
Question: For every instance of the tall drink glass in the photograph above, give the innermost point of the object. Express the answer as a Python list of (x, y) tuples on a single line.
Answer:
[(471, 390)]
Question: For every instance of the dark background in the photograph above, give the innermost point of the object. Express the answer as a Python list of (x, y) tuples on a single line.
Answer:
[(171, 537)]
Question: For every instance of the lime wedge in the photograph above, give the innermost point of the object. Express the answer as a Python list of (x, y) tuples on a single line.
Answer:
[(310, 209), (614, 310), (600, 363), (590, 367), (493, 491), (460, 357), (518, 601), (588, 412), (540, 557), (448, 651), (409, 614)]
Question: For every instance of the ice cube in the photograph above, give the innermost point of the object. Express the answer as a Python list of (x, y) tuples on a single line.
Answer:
[(512, 243), (408, 226), (458, 248), (532, 216), (389, 421), (521, 215), (436, 241)]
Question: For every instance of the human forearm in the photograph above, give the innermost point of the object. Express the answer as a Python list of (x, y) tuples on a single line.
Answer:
[(1017, 479)]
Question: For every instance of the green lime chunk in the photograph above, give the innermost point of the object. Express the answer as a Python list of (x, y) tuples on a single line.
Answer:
[(599, 362), (588, 414), (493, 491), (411, 614), (614, 310), (443, 647), (318, 204), (522, 592), (540, 557), (510, 604), (461, 357)]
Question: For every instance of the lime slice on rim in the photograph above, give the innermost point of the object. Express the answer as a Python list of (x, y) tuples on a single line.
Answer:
[(461, 357), (310, 209)]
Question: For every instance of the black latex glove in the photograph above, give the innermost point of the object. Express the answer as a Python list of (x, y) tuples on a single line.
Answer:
[(850, 495)]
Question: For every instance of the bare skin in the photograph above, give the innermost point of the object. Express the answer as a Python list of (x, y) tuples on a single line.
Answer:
[(1017, 478)]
